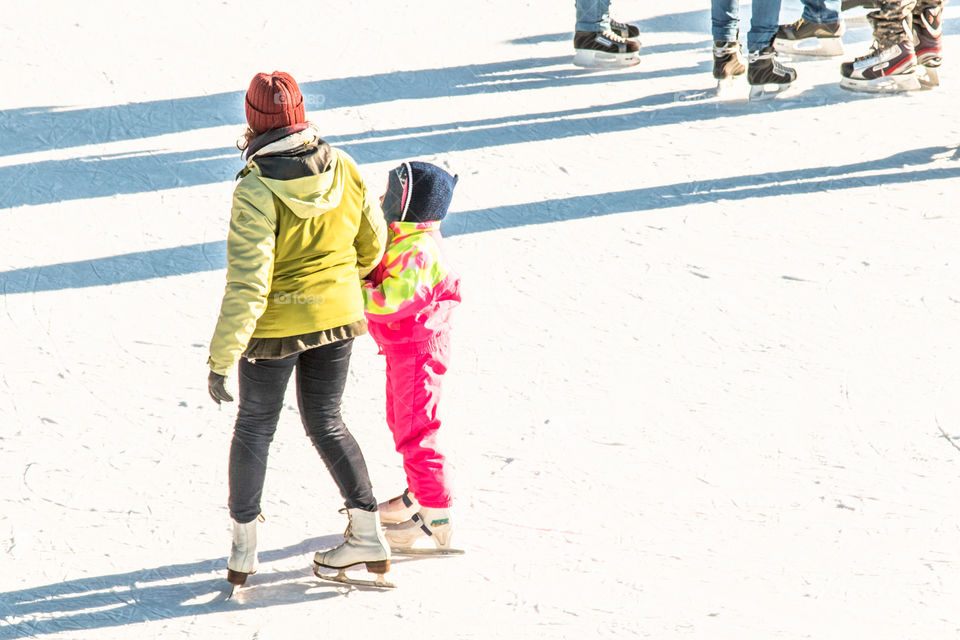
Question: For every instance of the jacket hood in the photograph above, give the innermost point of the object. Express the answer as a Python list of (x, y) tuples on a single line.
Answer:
[(311, 195), (302, 170)]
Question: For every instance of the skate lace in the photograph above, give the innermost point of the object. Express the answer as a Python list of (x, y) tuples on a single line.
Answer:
[(874, 48), (797, 24), (612, 37)]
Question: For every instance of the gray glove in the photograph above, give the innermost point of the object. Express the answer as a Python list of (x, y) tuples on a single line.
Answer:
[(217, 391)]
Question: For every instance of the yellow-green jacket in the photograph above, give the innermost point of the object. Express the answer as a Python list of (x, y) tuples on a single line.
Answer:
[(303, 231)]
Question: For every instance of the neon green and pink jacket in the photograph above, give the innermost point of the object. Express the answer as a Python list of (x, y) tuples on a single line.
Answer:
[(408, 298)]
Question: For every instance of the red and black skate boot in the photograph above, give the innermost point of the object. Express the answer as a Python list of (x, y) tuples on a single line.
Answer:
[(927, 33), (883, 69)]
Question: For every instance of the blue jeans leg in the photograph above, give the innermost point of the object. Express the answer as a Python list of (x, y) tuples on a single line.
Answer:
[(821, 11), (593, 15), (764, 23), (725, 20)]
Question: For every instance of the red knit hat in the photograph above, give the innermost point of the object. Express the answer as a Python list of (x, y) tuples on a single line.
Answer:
[(273, 101)]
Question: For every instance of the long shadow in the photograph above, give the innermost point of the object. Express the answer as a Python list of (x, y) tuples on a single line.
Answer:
[(44, 128), (211, 256), (690, 21), (97, 176), (159, 593)]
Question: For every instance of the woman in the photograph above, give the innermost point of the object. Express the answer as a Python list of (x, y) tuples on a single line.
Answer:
[(303, 231)]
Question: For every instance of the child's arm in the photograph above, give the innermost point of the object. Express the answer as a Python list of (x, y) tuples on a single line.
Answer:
[(410, 283)]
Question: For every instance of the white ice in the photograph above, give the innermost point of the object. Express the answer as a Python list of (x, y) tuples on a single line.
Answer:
[(705, 375)]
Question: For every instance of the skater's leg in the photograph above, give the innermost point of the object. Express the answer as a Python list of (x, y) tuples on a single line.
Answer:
[(321, 378), (764, 23), (725, 20), (928, 32), (416, 382), (262, 386), (821, 11), (593, 15)]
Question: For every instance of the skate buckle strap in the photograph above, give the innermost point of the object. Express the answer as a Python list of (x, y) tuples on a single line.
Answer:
[(423, 525), (405, 498)]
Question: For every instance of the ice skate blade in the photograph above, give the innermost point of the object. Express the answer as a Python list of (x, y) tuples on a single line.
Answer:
[(342, 578), (426, 551), (810, 47), (929, 78), (888, 84), (761, 92), (727, 88), (590, 59)]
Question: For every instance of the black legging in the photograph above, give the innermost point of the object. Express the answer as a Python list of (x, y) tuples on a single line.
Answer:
[(321, 377)]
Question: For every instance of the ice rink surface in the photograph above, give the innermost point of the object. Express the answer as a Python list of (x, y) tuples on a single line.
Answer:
[(705, 374)]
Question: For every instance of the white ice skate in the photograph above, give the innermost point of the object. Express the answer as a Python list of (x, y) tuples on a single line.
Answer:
[(243, 553), (429, 522), (399, 509), (364, 544)]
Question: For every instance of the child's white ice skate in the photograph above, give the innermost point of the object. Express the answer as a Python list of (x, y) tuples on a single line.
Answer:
[(399, 509), (364, 544), (429, 522)]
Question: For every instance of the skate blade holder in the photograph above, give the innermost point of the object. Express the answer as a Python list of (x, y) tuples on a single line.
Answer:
[(427, 551), (591, 59), (728, 88), (888, 84), (810, 47), (929, 77), (760, 92), (341, 577)]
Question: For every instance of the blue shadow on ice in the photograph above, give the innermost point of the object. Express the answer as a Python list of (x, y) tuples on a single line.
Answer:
[(211, 256), (33, 129), (99, 176), (158, 593), (129, 267)]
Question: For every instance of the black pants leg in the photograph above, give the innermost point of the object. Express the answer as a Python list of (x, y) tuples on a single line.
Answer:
[(321, 378), (262, 387)]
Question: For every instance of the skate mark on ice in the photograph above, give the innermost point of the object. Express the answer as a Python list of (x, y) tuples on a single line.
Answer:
[(951, 439)]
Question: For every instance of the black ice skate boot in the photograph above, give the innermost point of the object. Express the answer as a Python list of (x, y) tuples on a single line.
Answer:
[(727, 65), (626, 31), (727, 60), (927, 32), (767, 77), (810, 38), (604, 50)]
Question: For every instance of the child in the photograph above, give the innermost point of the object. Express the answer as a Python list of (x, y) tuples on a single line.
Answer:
[(409, 298)]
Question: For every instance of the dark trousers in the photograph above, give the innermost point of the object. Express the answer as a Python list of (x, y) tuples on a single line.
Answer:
[(321, 377)]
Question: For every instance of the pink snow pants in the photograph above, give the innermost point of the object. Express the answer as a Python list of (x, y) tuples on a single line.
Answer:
[(413, 393)]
